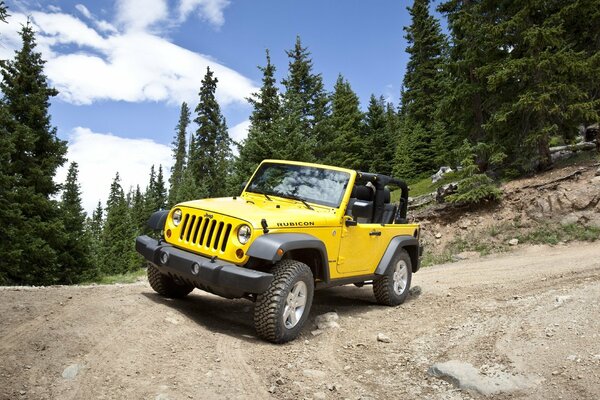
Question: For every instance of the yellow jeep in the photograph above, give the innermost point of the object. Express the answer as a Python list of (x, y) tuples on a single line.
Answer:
[(295, 228)]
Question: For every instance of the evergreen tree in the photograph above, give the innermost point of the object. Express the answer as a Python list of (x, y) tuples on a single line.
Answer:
[(160, 191), (464, 106), (30, 224), (179, 154), (118, 234), (305, 106), (349, 148), (75, 256), (94, 227), (540, 83), (3, 12), (210, 154), (423, 84), (138, 213), (265, 122), (379, 137)]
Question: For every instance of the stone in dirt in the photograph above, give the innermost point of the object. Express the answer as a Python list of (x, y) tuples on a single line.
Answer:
[(466, 377), (598, 172), (513, 242), (71, 371), (314, 373), (327, 321), (383, 338), (569, 219), (415, 291)]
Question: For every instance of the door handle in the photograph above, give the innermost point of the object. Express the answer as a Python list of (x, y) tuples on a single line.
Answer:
[(375, 233)]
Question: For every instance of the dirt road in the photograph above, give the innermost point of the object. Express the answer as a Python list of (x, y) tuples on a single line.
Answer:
[(534, 313)]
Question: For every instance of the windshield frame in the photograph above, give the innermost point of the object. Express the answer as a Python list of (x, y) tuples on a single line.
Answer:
[(297, 197)]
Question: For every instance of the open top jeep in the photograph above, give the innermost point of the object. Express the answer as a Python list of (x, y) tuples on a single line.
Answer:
[(295, 228)]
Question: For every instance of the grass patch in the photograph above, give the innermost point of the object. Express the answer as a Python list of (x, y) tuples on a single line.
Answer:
[(582, 157), (424, 186), (554, 233), (128, 277), (495, 239)]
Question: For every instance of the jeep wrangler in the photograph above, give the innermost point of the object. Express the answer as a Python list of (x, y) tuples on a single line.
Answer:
[(295, 228)]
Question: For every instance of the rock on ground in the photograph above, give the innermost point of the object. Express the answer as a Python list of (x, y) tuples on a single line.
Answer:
[(327, 321), (467, 377), (71, 371)]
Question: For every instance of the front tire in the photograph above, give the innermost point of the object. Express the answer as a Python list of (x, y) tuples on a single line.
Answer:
[(281, 311), (392, 288), (167, 286)]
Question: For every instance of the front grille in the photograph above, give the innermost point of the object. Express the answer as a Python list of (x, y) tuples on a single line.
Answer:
[(206, 234)]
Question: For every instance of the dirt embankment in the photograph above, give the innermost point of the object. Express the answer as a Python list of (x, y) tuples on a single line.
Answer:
[(532, 314), (533, 209)]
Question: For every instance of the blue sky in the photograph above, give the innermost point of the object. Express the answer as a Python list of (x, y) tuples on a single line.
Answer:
[(123, 67)]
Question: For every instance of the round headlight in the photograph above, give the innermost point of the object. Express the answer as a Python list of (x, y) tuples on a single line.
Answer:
[(244, 233), (177, 217)]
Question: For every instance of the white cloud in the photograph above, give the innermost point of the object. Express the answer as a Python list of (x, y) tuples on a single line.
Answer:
[(209, 10), (141, 14), (133, 65), (101, 155), (83, 10), (240, 131)]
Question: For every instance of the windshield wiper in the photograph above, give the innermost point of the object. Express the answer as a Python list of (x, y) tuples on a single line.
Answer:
[(291, 196), (264, 194)]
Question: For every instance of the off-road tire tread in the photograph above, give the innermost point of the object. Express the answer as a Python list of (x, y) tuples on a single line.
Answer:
[(267, 304), (383, 286), (165, 285)]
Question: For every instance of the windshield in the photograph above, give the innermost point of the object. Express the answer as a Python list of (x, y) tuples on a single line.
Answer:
[(311, 184)]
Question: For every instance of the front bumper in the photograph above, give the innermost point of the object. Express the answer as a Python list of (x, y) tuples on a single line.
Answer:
[(210, 274)]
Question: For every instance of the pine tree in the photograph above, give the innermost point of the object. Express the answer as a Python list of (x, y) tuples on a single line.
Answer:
[(380, 138), (118, 234), (179, 155), (94, 227), (75, 255), (349, 148), (305, 106), (210, 154), (265, 121), (3, 12), (160, 191), (138, 213), (422, 84), (464, 105), (30, 224), (540, 83)]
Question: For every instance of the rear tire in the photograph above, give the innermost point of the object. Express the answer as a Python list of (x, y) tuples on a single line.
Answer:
[(392, 288), (281, 311), (167, 286)]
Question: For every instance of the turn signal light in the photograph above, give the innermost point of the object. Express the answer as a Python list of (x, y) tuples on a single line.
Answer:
[(168, 233), (239, 253)]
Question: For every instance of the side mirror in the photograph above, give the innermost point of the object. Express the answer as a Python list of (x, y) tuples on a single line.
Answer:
[(362, 209)]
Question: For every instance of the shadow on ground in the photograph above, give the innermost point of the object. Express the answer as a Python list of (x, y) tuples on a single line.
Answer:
[(235, 317)]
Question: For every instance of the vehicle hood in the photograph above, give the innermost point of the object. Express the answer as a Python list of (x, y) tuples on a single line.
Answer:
[(279, 213)]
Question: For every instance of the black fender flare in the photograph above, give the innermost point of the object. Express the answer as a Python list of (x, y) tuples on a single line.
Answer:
[(265, 247), (157, 220), (409, 243)]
